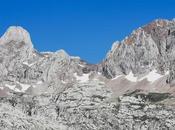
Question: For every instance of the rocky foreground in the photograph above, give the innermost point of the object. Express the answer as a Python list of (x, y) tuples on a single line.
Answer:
[(131, 89)]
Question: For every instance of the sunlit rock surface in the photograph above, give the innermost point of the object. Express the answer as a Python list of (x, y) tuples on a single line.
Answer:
[(132, 88)]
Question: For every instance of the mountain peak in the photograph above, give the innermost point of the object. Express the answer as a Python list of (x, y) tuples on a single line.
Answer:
[(137, 75), (17, 34), (158, 23), (146, 48), (152, 28)]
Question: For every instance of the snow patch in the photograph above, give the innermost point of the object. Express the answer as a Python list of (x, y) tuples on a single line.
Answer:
[(1, 88), (24, 87), (12, 87), (99, 73), (118, 76), (167, 73), (152, 76), (82, 79), (26, 63), (39, 82), (131, 77)]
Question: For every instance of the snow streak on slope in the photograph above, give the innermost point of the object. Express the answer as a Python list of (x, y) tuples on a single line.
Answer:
[(12, 87), (82, 79), (23, 88), (150, 77), (131, 77)]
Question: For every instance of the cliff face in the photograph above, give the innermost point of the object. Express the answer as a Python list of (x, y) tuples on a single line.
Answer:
[(147, 48), (131, 89)]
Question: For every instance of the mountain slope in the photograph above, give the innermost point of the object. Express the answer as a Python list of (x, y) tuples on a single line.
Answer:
[(147, 48), (131, 89), (144, 60)]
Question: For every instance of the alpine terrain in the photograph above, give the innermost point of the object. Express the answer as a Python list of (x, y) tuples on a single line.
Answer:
[(133, 88)]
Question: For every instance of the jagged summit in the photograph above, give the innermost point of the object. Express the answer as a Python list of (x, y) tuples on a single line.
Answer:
[(147, 29)]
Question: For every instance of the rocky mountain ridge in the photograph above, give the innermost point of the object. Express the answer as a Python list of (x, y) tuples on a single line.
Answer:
[(131, 89), (147, 48)]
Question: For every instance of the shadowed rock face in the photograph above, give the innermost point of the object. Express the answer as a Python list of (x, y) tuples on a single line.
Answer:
[(131, 89)]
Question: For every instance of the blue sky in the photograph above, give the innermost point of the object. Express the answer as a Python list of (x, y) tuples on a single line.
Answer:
[(85, 28)]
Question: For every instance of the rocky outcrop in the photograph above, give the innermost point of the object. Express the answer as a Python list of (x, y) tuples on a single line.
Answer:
[(24, 67), (147, 48), (88, 107)]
